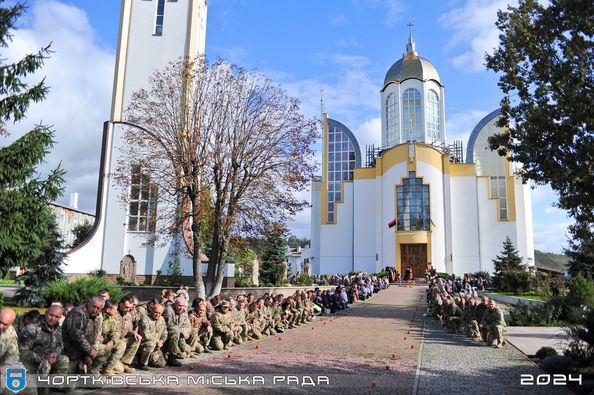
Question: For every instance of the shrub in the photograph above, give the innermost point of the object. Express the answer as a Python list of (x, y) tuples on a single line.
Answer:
[(516, 282), (581, 339), (443, 275), (123, 282), (534, 315), (79, 291), (544, 352), (353, 273), (484, 275), (383, 274), (558, 364), (304, 279)]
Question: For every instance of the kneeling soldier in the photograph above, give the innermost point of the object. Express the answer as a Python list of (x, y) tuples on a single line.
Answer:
[(223, 328), (112, 346), (81, 331), (154, 333), (41, 344), (178, 332)]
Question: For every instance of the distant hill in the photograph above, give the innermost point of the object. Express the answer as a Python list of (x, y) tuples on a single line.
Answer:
[(548, 260)]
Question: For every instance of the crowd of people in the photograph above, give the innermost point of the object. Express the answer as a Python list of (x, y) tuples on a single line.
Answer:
[(112, 337), (457, 306)]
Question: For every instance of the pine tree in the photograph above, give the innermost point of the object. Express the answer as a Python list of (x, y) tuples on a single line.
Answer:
[(43, 270), (25, 230), (273, 268), (581, 250), (509, 260), (81, 231)]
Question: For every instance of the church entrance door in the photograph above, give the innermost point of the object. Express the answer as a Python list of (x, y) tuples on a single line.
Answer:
[(415, 256)]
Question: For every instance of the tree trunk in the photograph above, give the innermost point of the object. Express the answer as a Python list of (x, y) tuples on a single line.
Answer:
[(197, 251)]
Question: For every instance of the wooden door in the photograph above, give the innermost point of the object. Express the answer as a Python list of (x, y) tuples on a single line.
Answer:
[(415, 257)]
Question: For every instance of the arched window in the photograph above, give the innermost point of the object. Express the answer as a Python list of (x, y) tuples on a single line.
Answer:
[(432, 116), (411, 114), (392, 125), (343, 157), (412, 204)]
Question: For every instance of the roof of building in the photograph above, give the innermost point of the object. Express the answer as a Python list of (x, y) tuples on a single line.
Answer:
[(411, 66)]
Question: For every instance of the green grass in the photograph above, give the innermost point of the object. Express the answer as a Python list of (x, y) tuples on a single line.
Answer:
[(532, 295), (6, 281)]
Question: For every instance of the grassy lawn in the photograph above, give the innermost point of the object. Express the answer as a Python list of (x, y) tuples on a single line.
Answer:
[(6, 281), (532, 295)]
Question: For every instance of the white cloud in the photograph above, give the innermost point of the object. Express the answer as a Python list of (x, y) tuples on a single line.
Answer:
[(80, 76), (368, 133), (394, 9), (551, 237), (473, 31), (338, 19), (459, 125), (349, 94)]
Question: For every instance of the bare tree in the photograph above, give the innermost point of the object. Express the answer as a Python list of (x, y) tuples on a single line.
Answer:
[(220, 139)]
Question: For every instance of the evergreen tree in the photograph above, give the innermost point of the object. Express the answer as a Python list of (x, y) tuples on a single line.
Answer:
[(25, 218), (273, 268), (509, 260), (81, 231), (43, 270), (581, 250)]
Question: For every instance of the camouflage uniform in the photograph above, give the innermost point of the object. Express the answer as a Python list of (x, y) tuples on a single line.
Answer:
[(252, 319), (9, 347), (453, 317), (142, 310), (111, 331), (201, 336), (128, 323), (476, 324), (81, 334), (37, 342), (222, 335), (178, 324), (494, 325), (152, 331)]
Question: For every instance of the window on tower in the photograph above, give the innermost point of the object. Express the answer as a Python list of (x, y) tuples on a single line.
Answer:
[(142, 209), (411, 114), (392, 122), (159, 17), (342, 160), (413, 204), (432, 116), (498, 191)]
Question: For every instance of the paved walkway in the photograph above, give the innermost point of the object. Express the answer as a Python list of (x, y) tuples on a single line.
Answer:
[(529, 339), (372, 348), (456, 364)]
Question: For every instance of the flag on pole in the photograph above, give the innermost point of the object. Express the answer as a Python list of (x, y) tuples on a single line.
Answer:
[(392, 223)]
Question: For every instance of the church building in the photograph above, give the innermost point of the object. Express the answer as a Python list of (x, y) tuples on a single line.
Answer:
[(152, 34), (416, 201)]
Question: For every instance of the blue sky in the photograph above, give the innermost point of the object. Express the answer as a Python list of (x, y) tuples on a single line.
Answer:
[(343, 47)]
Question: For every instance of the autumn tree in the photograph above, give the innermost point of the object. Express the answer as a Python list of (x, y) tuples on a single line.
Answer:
[(25, 217), (218, 142), (546, 59)]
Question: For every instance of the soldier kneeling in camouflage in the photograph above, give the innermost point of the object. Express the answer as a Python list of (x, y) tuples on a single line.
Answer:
[(153, 330), (41, 344), (223, 328), (112, 345), (494, 325)]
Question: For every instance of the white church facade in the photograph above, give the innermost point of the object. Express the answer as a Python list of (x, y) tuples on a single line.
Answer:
[(415, 201), (152, 34)]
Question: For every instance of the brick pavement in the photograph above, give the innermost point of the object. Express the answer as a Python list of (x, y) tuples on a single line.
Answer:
[(453, 363), (372, 348), (362, 351)]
